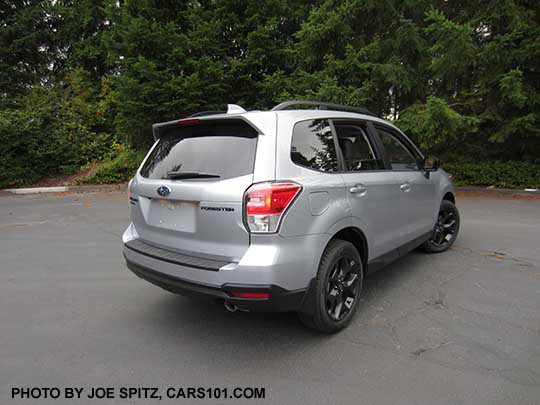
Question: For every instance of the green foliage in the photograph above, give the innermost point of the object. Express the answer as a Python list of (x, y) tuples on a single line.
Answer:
[(50, 132), (117, 169), (437, 128), (76, 76), (24, 31), (495, 173)]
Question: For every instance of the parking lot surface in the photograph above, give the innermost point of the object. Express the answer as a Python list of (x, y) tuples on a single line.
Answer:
[(462, 327)]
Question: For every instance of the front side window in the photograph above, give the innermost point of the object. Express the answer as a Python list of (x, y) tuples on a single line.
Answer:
[(397, 153), (358, 154), (313, 146)]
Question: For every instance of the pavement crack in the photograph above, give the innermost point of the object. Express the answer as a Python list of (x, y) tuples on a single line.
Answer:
[(422, 350)]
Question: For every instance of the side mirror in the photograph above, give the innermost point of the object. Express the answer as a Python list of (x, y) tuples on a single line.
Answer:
[(431, 164)]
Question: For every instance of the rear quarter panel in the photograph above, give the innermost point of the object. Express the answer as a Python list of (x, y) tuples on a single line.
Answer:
[(323, 200)]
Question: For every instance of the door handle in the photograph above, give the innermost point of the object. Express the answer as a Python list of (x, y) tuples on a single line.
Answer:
[(406, 187), (358, 189)]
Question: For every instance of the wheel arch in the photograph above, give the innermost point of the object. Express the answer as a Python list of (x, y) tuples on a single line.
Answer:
[(355, 236), (449, 196)]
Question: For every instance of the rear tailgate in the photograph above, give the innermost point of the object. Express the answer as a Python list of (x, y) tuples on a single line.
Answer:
[(180, 211)]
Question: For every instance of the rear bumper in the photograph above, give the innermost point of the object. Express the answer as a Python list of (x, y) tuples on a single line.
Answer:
[(281, 266), (280, 300)]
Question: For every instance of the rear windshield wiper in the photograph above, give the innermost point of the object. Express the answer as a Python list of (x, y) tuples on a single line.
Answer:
[(191, 175)]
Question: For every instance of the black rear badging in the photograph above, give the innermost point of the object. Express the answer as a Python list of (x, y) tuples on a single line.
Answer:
[(223, 209)]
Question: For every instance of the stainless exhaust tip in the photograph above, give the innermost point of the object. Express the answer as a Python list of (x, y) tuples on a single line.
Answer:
[(230, 306)]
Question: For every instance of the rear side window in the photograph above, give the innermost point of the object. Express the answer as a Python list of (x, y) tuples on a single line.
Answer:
[(357, 151), (313, 146), (221, 148)]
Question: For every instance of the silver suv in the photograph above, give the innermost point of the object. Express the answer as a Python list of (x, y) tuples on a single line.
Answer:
[(283, 210)]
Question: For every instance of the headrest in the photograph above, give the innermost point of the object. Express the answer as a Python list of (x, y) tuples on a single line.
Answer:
[(347, 148)]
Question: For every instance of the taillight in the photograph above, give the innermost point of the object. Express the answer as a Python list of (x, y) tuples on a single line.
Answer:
[(265, 203)]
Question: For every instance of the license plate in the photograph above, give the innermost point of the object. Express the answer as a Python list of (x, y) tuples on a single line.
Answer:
[(174, 205), (174, 215)]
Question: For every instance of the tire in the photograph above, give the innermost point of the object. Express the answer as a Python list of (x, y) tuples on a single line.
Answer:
[(446, 229), (339, 278)]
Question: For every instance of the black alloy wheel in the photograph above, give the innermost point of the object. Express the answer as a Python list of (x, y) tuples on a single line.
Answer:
[(445, 230), (341, 288), (335, 294)]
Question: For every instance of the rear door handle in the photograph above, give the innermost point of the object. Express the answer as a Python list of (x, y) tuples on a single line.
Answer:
[(360, 189), (405, 187)]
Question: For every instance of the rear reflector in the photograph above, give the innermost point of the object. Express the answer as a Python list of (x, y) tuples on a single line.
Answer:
[(251, 295), (266, 202)]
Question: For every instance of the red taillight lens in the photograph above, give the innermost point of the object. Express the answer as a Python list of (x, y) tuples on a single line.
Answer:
[(270, 198), (251, 295), (266, 202)]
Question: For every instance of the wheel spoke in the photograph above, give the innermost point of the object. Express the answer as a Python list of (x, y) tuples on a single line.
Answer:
[(337, 308), (446, 215), (334, 273), (439, 238), (345, 267), (351, 280), (341, 266), (332, 295), (450, 224)]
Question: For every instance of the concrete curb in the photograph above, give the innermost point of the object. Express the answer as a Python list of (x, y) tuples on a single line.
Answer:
[(92, 188), (496, 191)]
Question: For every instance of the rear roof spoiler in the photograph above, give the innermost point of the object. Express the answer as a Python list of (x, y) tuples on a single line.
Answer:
[(162, 128), (233, 109)]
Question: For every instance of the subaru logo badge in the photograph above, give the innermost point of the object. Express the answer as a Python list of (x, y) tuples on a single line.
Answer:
[(164, 191)]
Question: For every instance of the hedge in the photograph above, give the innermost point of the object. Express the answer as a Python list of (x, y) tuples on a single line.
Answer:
[(116, 170), (495, 173)]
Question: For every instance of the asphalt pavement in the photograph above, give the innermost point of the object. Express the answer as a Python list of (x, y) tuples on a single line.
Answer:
[(462, 327)]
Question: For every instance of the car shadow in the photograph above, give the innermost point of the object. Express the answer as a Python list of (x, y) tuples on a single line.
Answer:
[(175, 314)]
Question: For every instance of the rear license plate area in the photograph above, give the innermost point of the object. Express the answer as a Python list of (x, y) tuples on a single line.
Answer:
[(174, 215)]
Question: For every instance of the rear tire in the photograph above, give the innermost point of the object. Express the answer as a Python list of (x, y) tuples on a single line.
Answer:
[(337, 288), (445, 230)]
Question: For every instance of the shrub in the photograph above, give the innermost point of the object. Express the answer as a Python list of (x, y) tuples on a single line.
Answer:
[(117, 169), (510, 174), (50, 131)]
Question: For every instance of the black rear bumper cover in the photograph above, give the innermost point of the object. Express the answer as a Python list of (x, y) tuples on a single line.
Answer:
[(280, 300)]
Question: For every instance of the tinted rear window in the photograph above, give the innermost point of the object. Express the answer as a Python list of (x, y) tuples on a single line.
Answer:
[(225, 148), (313, 146)]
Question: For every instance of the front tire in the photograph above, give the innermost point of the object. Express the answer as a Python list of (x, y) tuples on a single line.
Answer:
[(445, 230), (337, 288)]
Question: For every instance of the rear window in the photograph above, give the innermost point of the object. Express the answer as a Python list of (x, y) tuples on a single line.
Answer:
[(312, 146), (224, 148)]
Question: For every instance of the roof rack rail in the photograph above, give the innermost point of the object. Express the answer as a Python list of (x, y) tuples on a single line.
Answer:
[(321, 105)]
